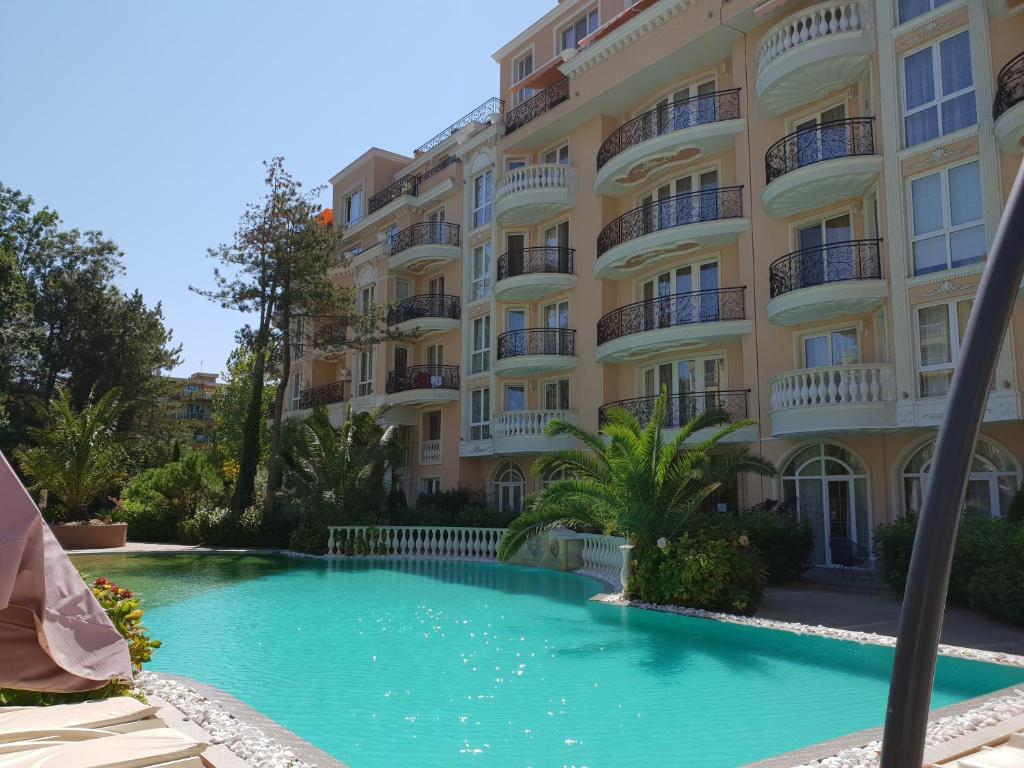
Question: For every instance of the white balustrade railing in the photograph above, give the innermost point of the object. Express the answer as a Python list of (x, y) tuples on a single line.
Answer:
[(834, 386), (430, 452), (602, 556), (813, 23), (414, 541), (526, 423), (545, 176)]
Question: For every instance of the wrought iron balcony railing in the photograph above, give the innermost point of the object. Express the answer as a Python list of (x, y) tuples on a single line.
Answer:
[(422, 377), (407, 185), (684, 407), (537, 105), (1009, 86), (322, 395), (688, 208), (825, 141), (331, 334), (708, 306), (478, 115), (536, 260), (830, 263), (425, 233), (426, 305), (537, 341), (699, 110)]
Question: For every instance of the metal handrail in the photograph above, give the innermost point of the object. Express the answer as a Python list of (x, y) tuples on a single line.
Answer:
[(425, 305), (536, 105), (536, 259), (828, 263), (425, 233), (708, 306), (492, 106), (422, 377), (833, 139), (682, 407), (325, 394), (1009, 86), (537, 341)]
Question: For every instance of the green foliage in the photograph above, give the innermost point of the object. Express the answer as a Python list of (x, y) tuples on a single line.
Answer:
[(1016, 511), (701, 569), (147, 523), (784, 542), (997, 585), (230, 403), (309, 537), (457, 506), (77, 456), (182, 486), (627, 480), (893, 543)]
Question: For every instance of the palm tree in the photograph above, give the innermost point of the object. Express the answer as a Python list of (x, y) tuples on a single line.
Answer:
[(77, 456), (627, 480)]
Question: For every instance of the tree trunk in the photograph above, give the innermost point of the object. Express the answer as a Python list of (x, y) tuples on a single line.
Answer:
[(249, 461), (274, 471)]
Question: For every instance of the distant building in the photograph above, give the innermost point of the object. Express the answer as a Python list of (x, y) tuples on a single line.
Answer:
[(195, 403)]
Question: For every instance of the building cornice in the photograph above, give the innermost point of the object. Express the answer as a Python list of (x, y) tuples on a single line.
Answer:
[(927, 24), (552, 16)]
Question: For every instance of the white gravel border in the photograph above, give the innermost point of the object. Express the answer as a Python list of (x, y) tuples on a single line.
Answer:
[(247, 741)]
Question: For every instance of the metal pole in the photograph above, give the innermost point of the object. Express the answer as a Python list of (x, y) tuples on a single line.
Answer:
[(913, 671)]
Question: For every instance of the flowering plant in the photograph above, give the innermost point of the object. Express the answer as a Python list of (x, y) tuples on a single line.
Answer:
[(122, 606)]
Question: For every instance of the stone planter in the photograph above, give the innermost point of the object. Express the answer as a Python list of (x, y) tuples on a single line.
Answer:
[(91, 536)]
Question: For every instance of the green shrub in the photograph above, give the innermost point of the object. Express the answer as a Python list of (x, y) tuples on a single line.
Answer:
[(310, 538), (184, 486), (1015, 514), (147, 523), (893, 543), (208, 526), (997, 585), (707, 569), (784, 542)]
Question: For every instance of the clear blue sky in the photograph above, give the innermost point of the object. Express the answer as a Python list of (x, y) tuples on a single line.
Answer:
[(149, 121)]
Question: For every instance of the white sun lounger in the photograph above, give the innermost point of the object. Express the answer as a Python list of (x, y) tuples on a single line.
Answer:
[(153, 748), (119, 714)]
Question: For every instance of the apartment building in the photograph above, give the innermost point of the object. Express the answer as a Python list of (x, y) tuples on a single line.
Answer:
[(193, 398), (774, 208)]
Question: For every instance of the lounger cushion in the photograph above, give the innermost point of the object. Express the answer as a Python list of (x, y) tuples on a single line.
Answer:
[(141, 749), (89, 714)]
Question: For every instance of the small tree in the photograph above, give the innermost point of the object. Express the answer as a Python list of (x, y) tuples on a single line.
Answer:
[(77, 456), (183, 486)]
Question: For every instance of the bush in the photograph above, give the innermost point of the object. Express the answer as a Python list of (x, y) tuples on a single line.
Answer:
[(784, 542), (145, 523), (310, 538), (208, 526), (704, 569), (184, 486), (997, 585)]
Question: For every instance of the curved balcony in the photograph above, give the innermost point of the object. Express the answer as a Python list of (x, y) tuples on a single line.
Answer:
[(1008, 107), (820, 166), (534, 193), (330, 339), (427, 314), (677, 321), (684, 407), (533, 273), (323, 395), (674, 133), (523, 431), (829, 281), (533, 351), (423, 384), (665, 228), (812, 53), (424, 245), (536, 105), (839, 398)]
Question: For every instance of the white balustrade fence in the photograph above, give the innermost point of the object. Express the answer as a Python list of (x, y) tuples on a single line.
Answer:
[(813, 23), (430, 452), (835, 385), (414, 541), (602, 556), (526, 423), (545, 176)]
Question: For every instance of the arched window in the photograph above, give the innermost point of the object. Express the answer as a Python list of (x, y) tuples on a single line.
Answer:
[(830, 486), (509, 488), (994, 479), (552, 476)]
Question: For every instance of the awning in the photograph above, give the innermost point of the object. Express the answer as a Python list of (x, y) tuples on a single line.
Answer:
[(545, 77), (54, 634)]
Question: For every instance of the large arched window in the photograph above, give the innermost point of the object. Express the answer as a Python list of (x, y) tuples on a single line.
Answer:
[(509, 488), (552, 476), (830, 486), (994, 479)]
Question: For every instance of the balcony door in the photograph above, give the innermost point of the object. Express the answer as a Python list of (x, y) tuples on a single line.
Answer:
[(515, 397), (694, 386), (814, 143), (686, 295), (435, 286), (514, 245), (515, 324), (684, 108), (822, 259), (437, 229), (556, 316), (677, 205), (401, 360)]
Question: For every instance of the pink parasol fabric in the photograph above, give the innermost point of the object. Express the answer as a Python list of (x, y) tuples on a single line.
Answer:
[(54, 635)]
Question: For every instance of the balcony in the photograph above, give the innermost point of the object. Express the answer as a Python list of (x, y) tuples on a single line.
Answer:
[(812, 53), (536, 105), (836, 399), (407, 186), (534, 193), (322, 396), (424, 245), (830, 281), (523, 431), (676, 321), (426, 314), (430, 452), (820, 166), (533, 351), (675, 133), (330, 339), (422, 385), (667, 228), (533, 273), (684, 407), (1008, 108)]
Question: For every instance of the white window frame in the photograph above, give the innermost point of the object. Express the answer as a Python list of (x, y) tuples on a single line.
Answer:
[(295, 391), (430, 486), (827, 334), (480, 429), (557, 150), (584, 16), (933, 4), (948, 228), (506, 386), (480, 357), (438, 352), (519, 95), (954, 339), (480, 287), (555, 383), (939, 98), (352, 207), (483, 210), (365, 365), (367, 297)]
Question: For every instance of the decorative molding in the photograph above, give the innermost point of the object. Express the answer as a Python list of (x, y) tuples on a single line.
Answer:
[(479, 235), (946, 277), (948, 288), (938, 146), (927, 24), (482, 159), (470, 448)]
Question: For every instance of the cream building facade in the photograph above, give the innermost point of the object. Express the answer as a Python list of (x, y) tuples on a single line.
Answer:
[(777, 209)]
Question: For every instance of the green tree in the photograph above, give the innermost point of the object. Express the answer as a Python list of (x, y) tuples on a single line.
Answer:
[(230, 405), (183, 486), (627, 480), (77, 457)]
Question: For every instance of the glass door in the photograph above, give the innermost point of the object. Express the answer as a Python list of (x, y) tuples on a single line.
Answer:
[(556, 316), (515, 397), (515, 243), (814, 143), (515, 324), (401, 359), (820, 260), (839, 509), (657, 305)]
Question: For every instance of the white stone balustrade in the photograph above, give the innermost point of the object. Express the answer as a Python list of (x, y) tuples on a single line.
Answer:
[(835, 385), (430, 452), (602, 556), (530, 177), (414, 541), (813, 23), (526, 423)]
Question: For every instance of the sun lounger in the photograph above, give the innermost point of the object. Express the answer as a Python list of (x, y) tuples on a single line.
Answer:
[(120, 714), (152, 748)]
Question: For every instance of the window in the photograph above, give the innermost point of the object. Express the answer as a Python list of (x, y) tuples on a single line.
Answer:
[(435, 286), (990, 487), (483, 192), (837, 347), (570, 36), (515, 397), (435, 355), (521, 69), (480, 357), (295, 391), (691, 105), (509, 488), (514, 162), (556, 395), (429, 486), (481, 272), (686, 295), (557, 156), (948, 230), (911, 9), (298, 338), (367, 296), (480, 414), (365, 384), (677, 202), (432, 425), (940, 331), (353, 207), (389, 235), (938, 90), (403, 289)]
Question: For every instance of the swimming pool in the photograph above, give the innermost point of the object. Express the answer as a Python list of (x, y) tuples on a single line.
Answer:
[(454, 663)]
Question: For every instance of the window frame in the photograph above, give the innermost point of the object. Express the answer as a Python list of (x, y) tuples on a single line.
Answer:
[(827, 333), (365, 363), (480, 283), (556, 383), (357, 193), (482, 213), (939, 98), (583, 16), (948, 228), (955, 333), (480, 429), (482, 353)]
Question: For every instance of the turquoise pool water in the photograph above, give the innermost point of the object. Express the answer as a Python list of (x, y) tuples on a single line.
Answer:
[(448, 664)]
